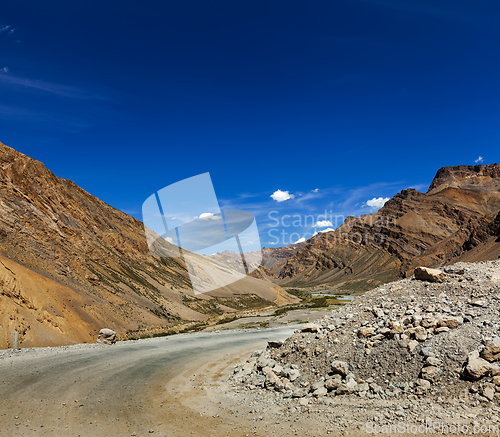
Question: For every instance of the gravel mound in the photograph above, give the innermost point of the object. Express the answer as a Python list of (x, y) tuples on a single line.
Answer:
[(412, 342)]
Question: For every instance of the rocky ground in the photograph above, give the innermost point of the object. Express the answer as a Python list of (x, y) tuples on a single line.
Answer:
[(411, 352)]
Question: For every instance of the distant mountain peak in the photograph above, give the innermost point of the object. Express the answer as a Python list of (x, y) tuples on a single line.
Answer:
[(467, 177)]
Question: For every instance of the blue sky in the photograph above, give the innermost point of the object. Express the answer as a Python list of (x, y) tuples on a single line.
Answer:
[(353, 99)]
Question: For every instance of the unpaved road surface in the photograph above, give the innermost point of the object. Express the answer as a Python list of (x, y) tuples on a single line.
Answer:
[(164, 386)]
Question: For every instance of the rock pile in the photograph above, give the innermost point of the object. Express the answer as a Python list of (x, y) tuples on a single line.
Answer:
[(408, 339)]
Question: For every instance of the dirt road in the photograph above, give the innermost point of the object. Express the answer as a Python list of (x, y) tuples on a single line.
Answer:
[(163, 386)]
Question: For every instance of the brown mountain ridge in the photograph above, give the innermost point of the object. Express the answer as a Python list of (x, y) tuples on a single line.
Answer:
[(70, 265)]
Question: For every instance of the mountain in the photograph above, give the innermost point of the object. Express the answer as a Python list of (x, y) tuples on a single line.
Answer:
[(70, 265), (457, 219)]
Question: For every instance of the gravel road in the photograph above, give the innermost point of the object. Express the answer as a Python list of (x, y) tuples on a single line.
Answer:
[(124, 389)]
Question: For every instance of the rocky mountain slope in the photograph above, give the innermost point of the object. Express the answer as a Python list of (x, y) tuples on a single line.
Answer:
[(458, 219), (70, 265)]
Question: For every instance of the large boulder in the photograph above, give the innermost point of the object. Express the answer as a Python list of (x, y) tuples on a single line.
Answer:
[(427, 274), (106, 336)]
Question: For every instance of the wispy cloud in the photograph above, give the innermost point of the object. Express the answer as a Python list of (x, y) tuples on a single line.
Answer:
[(479, 160), (8, 29), (49, 87)]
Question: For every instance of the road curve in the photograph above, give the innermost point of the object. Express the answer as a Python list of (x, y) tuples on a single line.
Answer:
[(97, 390)]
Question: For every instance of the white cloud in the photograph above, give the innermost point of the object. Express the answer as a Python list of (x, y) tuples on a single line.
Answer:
[(205, 215), (281, 196), (315, 190), (323, 224), (169, 239), (377, 202), (208, 216), (300, 240), (479, 160), (4, 70)]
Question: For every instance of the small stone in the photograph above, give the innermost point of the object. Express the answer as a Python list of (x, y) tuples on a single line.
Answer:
[(453, 270), (429, 322), (265, 362), (278, 369), (310, 327), (420, 333), (427, 351), (423, 383), (322, 391), (477, 367), (318, 384), (450, 321), (492, 350), (342, 389), (366, 332), (299, 393), (489, 393), (351, 383), (396, 329), (340, 367), (412, 345), (275, 344), (431, 373), (332, 384), (432, 361)]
